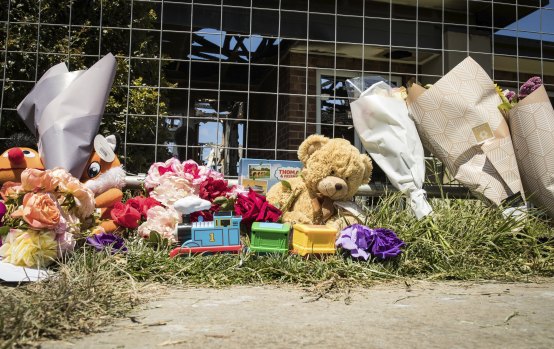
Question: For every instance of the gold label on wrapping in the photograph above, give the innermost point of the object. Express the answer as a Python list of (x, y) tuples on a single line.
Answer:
[(483, 133)]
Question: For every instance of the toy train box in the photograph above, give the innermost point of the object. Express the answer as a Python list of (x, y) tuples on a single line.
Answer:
[(261, 175), (313, 239), (220, 235), (270, 237)]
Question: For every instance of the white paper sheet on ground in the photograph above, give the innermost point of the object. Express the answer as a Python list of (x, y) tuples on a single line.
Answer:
[(390, 137), (14, 273), (64, 110)]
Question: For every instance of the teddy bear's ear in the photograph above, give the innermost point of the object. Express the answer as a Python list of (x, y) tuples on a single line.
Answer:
[(310, 145), (368, 168)]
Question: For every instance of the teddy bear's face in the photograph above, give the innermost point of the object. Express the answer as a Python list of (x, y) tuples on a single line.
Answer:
[(336, 170)]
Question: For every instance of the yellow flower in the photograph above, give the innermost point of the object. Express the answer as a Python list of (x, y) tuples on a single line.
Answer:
[(28, 248), (399, 93)]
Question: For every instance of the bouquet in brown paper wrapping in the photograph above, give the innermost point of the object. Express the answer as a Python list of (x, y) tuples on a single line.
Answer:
[(458, 120), (532, 127)]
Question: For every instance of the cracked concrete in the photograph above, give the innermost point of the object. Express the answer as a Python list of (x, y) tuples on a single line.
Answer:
[(423, 315)]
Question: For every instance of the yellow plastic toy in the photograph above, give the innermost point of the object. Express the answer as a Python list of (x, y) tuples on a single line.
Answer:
[(314, 239)]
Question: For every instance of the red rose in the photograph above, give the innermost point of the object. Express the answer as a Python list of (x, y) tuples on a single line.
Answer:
[(268, 213), (142, 204), (125, 215), (254, 208), (246, 208), (213, 188)]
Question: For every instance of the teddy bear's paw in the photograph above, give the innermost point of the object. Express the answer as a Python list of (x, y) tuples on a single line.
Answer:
[(296, 217), (342, 222)]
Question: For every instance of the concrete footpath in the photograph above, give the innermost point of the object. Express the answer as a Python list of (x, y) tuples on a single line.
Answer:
[(420, 315)]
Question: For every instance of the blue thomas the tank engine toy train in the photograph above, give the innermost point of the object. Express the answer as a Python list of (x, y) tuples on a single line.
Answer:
[(220, 235)]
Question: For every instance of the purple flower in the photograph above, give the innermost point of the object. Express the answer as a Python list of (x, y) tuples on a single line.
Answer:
[(2, 211), (510, 95), (360, 241), (356, 239), (110, 241), (529, 86), (385, 243)]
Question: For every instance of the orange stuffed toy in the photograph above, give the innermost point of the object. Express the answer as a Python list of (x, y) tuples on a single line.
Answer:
[(105, 176), (14, 160), (18, 156)]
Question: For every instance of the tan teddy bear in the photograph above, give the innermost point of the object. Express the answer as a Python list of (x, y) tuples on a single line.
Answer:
[(333, 171)]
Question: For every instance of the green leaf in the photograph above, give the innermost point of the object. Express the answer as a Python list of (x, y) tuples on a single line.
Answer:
[(505, 106), (286, 185), (155, 237), (220, 200), (4, 230)]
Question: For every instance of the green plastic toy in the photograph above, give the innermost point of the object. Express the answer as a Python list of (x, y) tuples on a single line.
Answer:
[(270, 237)]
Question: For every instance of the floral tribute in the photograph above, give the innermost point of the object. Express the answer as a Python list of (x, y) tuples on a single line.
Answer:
[(172, 180), (48, 211), (363, 242), (510, 98)]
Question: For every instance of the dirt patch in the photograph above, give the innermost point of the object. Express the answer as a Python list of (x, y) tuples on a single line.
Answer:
[(421, 315)]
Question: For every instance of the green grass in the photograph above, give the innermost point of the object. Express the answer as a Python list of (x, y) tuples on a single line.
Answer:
[(463, 240)]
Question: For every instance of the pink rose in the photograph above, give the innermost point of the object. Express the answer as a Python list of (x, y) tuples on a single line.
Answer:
[(162, 220), (11, 190), (171, 189), (84, 197), (66, 243), (39, 210), (158, 169), (63, 177), (70, 223), (33, 180), (190, 168), (206, 172), (198, 174)]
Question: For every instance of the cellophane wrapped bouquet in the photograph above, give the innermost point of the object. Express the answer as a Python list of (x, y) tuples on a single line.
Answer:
[(381, 120), (45, 215)]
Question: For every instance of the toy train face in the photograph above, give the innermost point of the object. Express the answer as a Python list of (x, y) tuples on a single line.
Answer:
[(220, 235)]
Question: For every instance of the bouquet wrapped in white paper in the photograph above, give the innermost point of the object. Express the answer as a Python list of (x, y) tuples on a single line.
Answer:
[(381, 119), (64, 111)]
